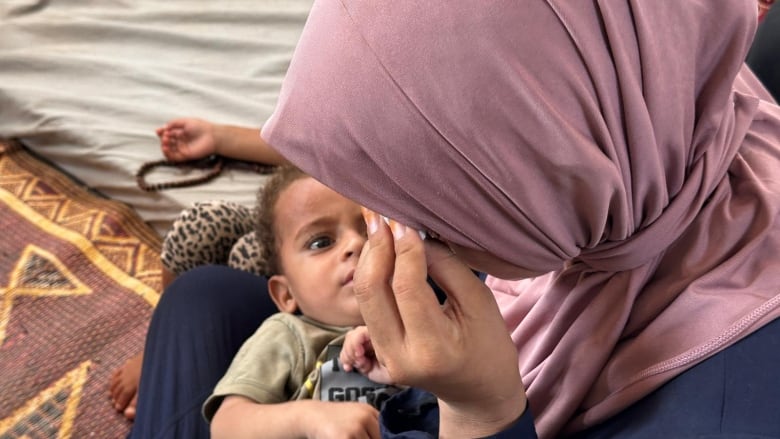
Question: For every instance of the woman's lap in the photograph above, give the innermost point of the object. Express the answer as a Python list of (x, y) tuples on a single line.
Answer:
[(734, 394), (197, 327), (207, 313)]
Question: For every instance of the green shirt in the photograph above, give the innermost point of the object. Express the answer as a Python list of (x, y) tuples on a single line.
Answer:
[(278, 362)]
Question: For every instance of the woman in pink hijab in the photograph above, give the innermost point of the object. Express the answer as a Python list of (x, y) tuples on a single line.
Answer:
[(612, 165)]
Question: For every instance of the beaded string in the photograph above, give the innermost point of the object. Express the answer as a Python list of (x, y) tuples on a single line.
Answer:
[(215, 165)]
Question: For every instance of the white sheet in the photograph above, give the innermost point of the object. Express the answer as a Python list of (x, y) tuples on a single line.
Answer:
[(85, 83)]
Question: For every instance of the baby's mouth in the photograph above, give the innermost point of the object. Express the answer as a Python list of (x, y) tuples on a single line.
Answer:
[(349, 278)]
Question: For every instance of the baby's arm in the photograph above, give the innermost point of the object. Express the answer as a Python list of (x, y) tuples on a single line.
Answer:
[(357, 353), (239, 417), (243, 143), (190, 138)]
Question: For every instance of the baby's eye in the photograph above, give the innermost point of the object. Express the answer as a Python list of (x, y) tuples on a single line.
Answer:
[(319, 243)]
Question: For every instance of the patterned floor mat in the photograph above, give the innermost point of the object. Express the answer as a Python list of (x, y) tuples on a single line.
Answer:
[(79, 277)]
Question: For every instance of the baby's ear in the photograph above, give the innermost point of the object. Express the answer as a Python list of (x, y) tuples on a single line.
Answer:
[(281, 294)]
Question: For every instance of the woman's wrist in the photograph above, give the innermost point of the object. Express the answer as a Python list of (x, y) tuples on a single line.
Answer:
[(480, 420)]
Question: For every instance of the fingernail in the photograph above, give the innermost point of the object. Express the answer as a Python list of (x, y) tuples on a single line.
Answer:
[(398, 229), (371, 219)]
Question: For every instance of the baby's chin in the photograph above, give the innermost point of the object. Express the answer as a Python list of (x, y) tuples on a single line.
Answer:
[(349, 317), (346, 322), (357, 321)]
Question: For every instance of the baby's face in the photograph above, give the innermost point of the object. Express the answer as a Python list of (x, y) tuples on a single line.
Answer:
[(320, 236)]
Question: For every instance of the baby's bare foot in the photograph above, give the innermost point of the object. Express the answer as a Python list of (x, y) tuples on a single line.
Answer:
[(124, 386)]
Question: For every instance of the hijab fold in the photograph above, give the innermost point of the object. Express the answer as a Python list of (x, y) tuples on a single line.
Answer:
[(622, 147)]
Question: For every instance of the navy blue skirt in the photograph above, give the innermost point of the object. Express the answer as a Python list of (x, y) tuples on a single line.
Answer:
[(206, 314), (764, 55)]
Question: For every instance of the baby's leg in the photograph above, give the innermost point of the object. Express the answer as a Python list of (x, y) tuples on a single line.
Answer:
[(197, 327)]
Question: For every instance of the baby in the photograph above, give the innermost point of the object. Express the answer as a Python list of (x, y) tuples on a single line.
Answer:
[(284, 379)]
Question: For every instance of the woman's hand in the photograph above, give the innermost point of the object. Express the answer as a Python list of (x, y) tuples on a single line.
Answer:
[(187, 139), (460, 351)]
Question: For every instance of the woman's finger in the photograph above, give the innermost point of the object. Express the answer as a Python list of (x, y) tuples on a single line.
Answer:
[(373, 291), (417, 303)]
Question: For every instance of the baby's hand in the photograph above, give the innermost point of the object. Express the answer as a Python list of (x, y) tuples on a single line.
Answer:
[(357, 353), (187, 139)]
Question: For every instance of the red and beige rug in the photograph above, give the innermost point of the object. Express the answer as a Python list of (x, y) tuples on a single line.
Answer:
[(79, 277)]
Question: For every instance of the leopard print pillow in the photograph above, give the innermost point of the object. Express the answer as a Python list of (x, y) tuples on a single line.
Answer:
[(214, 232)]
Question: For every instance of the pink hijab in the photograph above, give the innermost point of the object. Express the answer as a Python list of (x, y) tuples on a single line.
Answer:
[(622, 147)]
